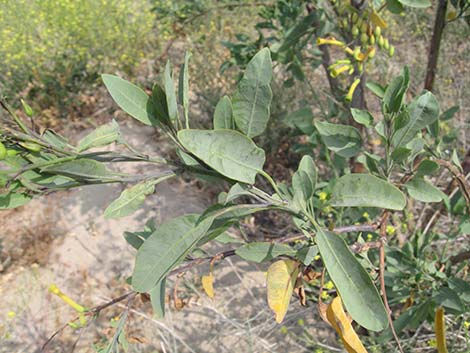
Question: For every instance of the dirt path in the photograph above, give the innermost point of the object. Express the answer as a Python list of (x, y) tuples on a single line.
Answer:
[(72, 245)]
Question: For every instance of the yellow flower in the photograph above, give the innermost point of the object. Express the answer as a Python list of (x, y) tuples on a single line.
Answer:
[(316, 257), (301, 322), (11, 314), (332, 41), (325, 295), (365, 215), (369, 237), (466, 324), (56, 291), (284, 330), (323, 196), (336, 72), (432, 343), (329, 285), (352, 89)]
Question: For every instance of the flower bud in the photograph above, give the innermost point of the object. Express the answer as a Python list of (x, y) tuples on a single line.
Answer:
[(355, 32), (364, 38), (378, 31), (372, 40), (381, 42), (386, 44), (364, 27), (391, 50)]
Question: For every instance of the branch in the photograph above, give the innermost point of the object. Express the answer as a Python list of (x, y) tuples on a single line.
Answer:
[(383, 238)]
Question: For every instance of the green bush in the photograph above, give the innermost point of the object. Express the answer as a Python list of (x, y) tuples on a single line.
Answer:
[(54, 46)]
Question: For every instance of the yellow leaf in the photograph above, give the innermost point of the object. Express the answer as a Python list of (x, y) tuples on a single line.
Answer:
[(341, 322), (378, 20), (207, 284), (440, 328), (281, 279)]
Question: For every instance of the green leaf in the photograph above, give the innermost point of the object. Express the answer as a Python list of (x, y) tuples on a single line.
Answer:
[(301, 119), (157, 298), (55, 139), (357, 291), (183, 88), (362, 117), (344, 140), (170, 94), (377, 89), (166, 248), (132, 99), (80, 169), (160, 105), (102, 136), (263, 251), (394, 6), (421, 190), (427, 167), (449, 113), (307, 254), (223, 114), (365, 190), (131, 199), (236, 191), (307, 165), (227, 151), (252, 100), (400, 154), (13, 200), (302, 187), (393, 97), (423, 111), (416, 3)]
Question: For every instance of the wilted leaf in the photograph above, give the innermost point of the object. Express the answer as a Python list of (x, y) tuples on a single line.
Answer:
[(342, 324), (365, 190), (281, 280), (207, 284), (229, 152), (358, 292), (440, 328)]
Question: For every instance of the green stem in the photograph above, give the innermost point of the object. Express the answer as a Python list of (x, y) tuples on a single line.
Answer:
[(271, 181)]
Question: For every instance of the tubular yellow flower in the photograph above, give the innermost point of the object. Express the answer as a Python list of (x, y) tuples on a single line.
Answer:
[(56, 291), (332, 41), (336, 72), (352, 89)]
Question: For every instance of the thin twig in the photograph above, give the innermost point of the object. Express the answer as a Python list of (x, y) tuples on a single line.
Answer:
[(383, 238)]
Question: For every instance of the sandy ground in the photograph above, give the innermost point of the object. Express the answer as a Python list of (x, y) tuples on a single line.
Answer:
[(72, 245)]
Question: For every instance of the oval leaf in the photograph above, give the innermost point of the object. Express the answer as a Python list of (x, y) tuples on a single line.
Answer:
[(102, 136), (360, 296), (229, 152), (223, 114), (263, 251), (252, 100), (281, 279), (132, 99), (423, 191), (165, 249), (365, 190), (344, 140), (423, 111)]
